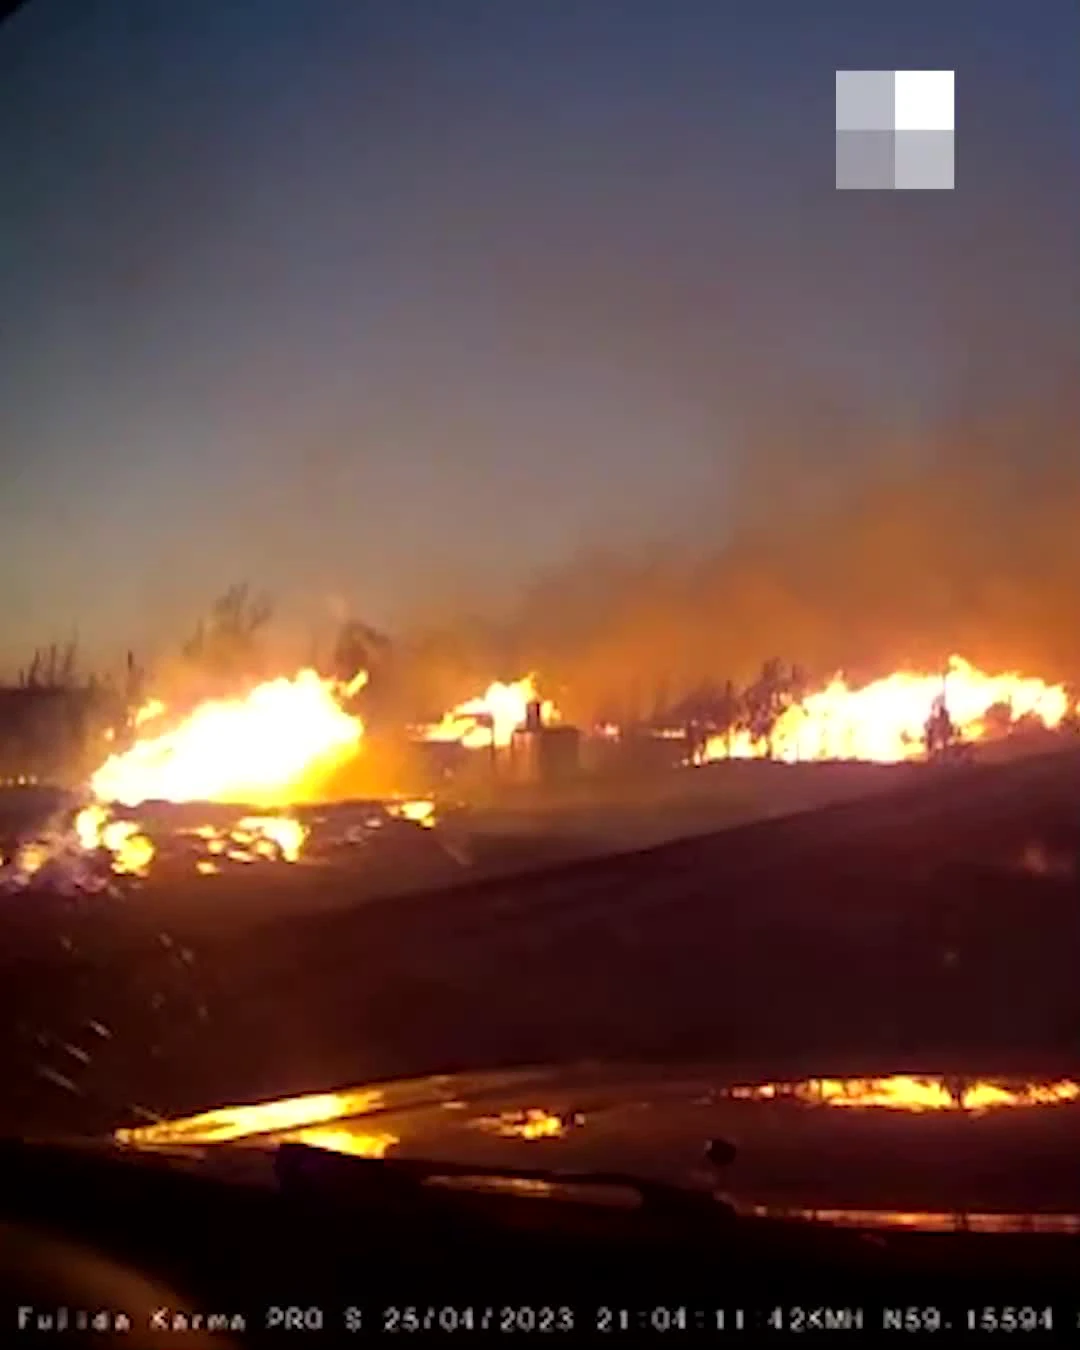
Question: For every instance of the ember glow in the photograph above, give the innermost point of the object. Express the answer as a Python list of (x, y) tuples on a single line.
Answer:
[(63, 854), (251, 839), (494, 715), (278, 836), (268, 748), (420, 812), (885, 721), (533, 1123), (132, 852)]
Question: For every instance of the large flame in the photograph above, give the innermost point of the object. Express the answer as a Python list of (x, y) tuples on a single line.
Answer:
[(267, 748), (493, 716), (886, 720)]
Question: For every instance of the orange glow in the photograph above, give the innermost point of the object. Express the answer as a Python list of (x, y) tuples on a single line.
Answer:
[(263, 1118), (926, 1221), (270, 747), (530, 1124), (271, 836), (343, 1141), (150, 711), (885, 721), (495, 714), (903, 1092), (132, 852), (420, 812)]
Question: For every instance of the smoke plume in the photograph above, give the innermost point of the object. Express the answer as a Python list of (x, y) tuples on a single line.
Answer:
[(842, 548)]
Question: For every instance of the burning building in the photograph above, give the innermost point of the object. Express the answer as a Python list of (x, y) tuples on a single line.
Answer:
[(509, 734), (543, 755)]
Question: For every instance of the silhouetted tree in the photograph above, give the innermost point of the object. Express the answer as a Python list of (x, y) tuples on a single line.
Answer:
[(1070, 723), (69, 664), (31, 676), (729, 708), (764, 702), (226, 643), (134, 684), (998, 719), (51, 667), (359, 647), (692, 707)]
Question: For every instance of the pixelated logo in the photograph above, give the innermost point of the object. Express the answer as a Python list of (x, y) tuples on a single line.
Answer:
[(895, 129)]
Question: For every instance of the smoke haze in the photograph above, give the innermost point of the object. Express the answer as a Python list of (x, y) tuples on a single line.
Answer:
[(845, 549), (539, 324)]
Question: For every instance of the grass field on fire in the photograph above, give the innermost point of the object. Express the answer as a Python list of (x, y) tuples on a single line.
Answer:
[(930, 919), (250, 896), (505, 566)]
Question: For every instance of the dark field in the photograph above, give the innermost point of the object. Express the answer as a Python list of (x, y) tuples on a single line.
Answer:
[(933, 924)]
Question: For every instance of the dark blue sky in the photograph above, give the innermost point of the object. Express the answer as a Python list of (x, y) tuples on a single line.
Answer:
[(373, 300)]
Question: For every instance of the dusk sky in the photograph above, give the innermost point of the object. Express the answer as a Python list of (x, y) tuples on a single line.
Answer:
[(373, 301)]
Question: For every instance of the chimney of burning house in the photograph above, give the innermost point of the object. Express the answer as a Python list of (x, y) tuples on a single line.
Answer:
[(534, 715)]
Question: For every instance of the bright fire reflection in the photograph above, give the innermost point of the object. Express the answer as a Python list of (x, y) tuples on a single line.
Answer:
[(344, 1141), (530, 1124), (903, 1092), (240, 1122), (419, 812), (923, 1221)]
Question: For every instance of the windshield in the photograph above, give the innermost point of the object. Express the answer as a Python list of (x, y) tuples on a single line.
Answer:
[(539, 534)]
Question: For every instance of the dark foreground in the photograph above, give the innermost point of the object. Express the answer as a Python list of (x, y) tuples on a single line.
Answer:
[(935, 927)]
